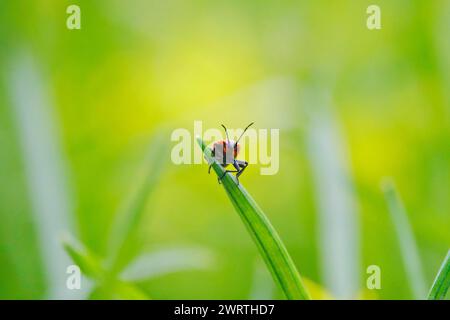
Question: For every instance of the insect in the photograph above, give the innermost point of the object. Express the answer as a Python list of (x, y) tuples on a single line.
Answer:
[(225, 152)]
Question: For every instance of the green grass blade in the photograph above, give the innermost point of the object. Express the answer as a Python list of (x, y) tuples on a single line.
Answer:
[(44, 169), (88, 263), (407, 241), (107, 287), (441, 283), (128, 219), (166, 261), (338, 224), (266, 238)]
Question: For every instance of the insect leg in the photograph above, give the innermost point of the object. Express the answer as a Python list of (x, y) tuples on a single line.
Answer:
[(223, 175), (240, 166)]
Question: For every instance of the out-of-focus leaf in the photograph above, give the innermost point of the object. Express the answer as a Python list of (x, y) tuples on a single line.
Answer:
[(338, 219), (128, 220), (166, 261), (44, 166), (408, 246), (441, 283), (87, 262)]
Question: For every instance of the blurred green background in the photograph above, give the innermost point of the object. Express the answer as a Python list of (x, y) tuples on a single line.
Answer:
[(79, 110)]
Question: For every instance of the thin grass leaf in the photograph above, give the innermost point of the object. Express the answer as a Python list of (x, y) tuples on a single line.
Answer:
[(338, 222), (128, 220), (167, 261), (266, 238), (441, 283), (107, 287), (87, 262), (45, 171), (405, 235)]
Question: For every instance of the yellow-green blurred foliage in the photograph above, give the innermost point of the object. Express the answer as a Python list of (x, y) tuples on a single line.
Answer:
[(137, 67)]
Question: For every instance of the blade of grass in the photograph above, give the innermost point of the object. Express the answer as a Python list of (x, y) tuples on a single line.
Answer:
[(405, 235), (107, 287), (45, 170), (88, 263), (441, 283), (338, 217), (124, 227), (166, 261), (128, 219), (266, 238)]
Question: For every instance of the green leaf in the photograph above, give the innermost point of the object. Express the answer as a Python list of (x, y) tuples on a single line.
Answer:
[(127, 221), (87, 262), (264, 235), (407, 241), (107, 287), (166, 261), (441, 283)]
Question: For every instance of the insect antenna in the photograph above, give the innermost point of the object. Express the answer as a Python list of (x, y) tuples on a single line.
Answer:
[(243, 133), (226, 132)]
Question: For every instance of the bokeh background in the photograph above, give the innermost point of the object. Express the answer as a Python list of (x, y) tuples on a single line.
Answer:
[(86, 115)]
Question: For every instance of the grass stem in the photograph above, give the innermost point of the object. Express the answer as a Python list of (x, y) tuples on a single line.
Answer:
[(263, 233), (441, 283)]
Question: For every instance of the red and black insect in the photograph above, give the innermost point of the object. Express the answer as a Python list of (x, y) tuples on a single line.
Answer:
[(225, 152)]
